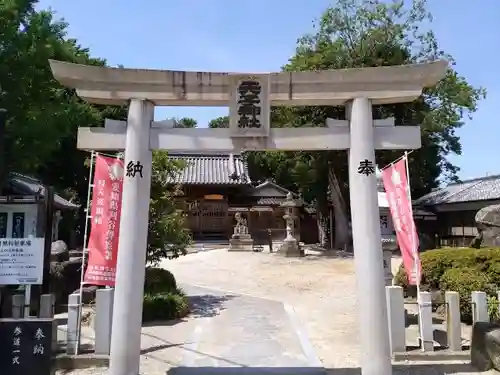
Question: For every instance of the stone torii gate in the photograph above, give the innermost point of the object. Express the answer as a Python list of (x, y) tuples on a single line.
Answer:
[(249, 97)]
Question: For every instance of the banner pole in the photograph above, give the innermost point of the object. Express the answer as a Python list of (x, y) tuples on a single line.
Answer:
[(398, 159), (416, 255), (85, 237)]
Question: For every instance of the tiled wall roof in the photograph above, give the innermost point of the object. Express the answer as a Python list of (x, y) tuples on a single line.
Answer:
[(479, 189), (30, 186), (211, 170)]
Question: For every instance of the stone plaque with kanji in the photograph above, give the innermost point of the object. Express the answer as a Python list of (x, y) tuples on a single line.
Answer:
[(249, 109), (26, 346)]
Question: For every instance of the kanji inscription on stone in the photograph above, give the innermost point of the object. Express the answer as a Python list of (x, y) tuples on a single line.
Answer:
[(249, 105), (26, 346)]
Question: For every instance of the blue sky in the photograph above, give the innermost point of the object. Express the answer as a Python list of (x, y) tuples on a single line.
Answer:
[(211, 35)]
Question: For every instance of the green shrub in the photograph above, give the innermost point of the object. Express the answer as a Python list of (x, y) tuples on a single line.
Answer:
[(465, 280), (436, 262), (159, 280), (493, 310), (458, 269), (164, 306)]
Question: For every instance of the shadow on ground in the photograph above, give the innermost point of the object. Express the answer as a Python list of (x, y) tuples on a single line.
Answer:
[(208, 305), (424, 369), (330, 254)]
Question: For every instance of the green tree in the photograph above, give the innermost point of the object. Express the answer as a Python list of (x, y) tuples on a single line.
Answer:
[(41, 112), (219, 122), (354, 34), (186, 122), (168, 236), (44, 118)]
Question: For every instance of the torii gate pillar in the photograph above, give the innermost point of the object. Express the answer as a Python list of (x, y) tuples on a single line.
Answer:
[(127, 307), (356, 88), (367, 244)]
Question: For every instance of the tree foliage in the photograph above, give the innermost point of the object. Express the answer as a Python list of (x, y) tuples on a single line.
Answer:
[(168, 236), (43, 118), (219, 122), (185, 122), (377, 33), (353, 34)]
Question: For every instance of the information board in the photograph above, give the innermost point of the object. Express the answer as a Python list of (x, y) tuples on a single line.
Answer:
[(26, 346), (21, 261)]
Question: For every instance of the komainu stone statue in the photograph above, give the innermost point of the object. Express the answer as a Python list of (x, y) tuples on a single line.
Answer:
[(488, 226), (241, 239)]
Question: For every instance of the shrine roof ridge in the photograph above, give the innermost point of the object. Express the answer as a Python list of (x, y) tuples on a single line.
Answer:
[(115, 86)]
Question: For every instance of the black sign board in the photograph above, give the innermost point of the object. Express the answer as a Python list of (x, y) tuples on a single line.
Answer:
[(25, 346)]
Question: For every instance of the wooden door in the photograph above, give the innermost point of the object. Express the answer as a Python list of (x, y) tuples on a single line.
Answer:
[(213, 217)]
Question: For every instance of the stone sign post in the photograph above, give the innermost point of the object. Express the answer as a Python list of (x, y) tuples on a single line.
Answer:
[(250, 97)]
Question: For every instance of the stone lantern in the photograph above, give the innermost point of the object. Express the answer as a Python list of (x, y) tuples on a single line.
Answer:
[(290, 247)]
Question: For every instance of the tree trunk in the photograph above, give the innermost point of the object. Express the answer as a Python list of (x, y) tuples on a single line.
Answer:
[(342, 235), (322, 222)]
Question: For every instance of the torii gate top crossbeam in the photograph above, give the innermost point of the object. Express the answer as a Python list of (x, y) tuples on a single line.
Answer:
[(115, 86)]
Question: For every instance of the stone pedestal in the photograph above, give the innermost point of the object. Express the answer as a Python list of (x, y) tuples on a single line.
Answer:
[(241, 242), (389, 245), (388, 276), (291, 248)]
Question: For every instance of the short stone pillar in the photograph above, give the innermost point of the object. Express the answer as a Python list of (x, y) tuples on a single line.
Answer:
[(290, 247), (425, 322), (389, 245), (480, 307), (453, 324), (103, 320), (241, 240)]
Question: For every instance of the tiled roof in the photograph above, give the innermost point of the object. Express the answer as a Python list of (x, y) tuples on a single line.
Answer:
[(211, 170), (29, 186), (270, 201), (478, 189)]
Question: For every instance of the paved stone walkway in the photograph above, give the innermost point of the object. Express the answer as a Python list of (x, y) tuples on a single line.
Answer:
[(240, 332)]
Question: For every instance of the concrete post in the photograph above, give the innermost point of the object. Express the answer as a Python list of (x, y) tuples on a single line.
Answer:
[(396, 314), (367, 242), (480, 307), (103, 320), (453, 326), (17, 306), (73, 324), (47, 309), (425, 317), (127, 311), (47, 302)]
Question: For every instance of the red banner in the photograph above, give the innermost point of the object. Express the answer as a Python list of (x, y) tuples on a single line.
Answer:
[(397, 190), (105, 227)]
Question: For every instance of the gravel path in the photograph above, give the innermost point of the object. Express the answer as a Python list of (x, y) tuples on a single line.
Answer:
[(321, 290)]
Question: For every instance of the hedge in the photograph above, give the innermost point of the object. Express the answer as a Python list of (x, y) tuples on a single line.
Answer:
[(159, 280), (162, 299), (459, 269), (164, 306)]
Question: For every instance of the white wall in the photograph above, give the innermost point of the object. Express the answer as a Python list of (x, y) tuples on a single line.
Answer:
[(30, 218)]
